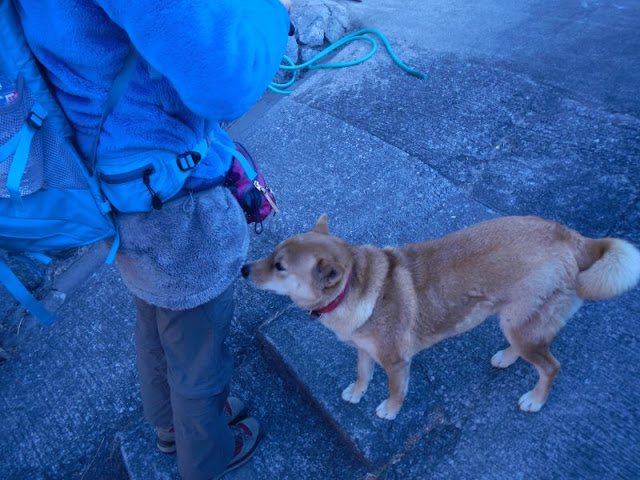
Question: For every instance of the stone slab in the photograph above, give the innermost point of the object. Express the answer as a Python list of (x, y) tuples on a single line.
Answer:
[(141, 459), (387, 198)]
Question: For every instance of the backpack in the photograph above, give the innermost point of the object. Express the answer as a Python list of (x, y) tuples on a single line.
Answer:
[(48, 199)]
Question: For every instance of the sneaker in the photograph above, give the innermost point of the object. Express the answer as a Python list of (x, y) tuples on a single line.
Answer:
[(166, 437), (246, 435)]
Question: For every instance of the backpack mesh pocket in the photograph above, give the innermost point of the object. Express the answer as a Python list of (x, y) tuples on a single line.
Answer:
[(13, 117)]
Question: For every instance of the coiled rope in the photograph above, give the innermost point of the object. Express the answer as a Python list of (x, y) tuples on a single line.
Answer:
[(360, 35)]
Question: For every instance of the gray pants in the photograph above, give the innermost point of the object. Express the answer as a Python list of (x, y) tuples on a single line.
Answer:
[(184, 368)]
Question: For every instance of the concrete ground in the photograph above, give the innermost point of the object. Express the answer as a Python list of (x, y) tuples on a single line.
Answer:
[(531, 107)]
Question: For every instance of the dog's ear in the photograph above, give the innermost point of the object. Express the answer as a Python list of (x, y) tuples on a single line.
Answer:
[(328, 273), (322, 225)]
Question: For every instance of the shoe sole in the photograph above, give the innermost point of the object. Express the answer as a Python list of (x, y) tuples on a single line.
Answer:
[(170, 447), (166, 447), (240, 463)]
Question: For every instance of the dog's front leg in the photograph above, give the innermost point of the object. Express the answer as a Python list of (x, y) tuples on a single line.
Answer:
[(354, 392), (398, 374)]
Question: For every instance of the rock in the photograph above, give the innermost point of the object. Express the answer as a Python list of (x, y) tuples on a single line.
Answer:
[(335, 31), (338, 22), (311, 30), (317, 19), (318, 23), (307, 53)]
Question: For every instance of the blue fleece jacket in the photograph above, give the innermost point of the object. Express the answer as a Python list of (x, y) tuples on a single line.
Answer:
[(215, 57)]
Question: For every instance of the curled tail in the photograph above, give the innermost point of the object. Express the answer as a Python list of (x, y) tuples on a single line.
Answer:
[(608, 267)]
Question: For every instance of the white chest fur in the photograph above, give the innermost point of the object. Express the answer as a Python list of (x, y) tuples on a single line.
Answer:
[(347, 318)]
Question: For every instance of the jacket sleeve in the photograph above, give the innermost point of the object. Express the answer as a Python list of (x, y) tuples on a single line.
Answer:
[(220, 55)]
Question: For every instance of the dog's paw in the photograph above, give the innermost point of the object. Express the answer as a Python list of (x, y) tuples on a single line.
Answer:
[(504, 358), (351, 395), (528, 404), (387, 412)]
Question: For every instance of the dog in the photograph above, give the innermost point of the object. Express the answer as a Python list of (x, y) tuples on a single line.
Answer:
[(392, 303)]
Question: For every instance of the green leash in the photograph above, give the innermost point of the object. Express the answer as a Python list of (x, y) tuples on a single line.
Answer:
[(359, 35)]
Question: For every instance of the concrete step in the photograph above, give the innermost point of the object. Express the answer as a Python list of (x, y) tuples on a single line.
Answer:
[(322, 366), (141, 459), (292, 432)]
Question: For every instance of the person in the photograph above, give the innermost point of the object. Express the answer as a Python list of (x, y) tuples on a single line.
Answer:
[(202, 62)]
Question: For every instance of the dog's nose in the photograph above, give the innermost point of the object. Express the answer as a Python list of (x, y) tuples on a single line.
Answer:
[(245, 271)]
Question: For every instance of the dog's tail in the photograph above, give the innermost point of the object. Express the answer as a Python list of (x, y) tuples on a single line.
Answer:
[(608, 268)]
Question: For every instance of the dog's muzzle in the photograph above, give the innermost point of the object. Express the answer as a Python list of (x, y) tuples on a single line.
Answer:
[(245, 270)]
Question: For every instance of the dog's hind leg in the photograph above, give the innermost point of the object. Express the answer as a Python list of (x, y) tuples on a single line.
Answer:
[(547, 366), (354, 392), (532, 337)]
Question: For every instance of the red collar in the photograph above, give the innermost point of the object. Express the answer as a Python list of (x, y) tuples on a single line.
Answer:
[(333, 305)]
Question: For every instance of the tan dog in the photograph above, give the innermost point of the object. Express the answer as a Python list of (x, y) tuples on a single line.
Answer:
[(392, 303)]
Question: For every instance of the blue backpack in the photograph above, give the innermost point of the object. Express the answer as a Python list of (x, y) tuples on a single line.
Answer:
[(51, 199), (48, 199)]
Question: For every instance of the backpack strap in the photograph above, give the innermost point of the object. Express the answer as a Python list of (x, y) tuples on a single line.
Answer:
[(111, 256), (18, 290), (248, 169), (117, 89), (23, 146)]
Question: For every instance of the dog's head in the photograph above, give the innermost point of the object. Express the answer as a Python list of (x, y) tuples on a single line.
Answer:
[(310, 268)]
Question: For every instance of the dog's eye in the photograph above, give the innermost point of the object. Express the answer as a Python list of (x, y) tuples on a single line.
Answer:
[(279, 267)]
